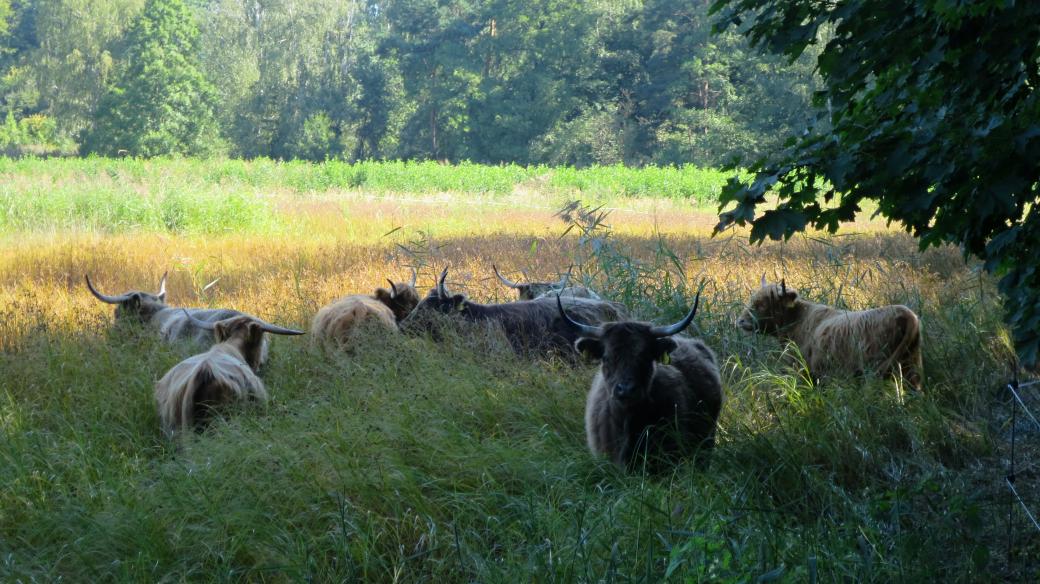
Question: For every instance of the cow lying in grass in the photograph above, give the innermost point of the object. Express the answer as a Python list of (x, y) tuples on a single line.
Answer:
[(532, 290), (225, 373), (172, 323), (656, 397), (886, 340), (531, 326), (335, 322)]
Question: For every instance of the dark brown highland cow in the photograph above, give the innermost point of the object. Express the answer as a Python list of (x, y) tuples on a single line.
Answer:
[(656, 397), (532, 326)]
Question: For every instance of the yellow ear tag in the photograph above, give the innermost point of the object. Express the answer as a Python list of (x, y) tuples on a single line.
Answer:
[(461, 307), (666, 359)]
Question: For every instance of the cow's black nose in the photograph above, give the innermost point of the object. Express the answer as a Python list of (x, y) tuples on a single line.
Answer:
[(624, 389)]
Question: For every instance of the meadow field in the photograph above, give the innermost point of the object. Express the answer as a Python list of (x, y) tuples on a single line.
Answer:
[(414, 460)]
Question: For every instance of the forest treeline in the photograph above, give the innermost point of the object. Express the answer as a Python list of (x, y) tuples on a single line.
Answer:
[(524, 81)]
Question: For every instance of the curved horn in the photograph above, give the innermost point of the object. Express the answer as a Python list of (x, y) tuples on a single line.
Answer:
[(161, 294), (105, 297), (202, 324), (393, 288), (277, 330), (503, 279), (667, 331), (763, 279), (587, 330), (442, 290), (414, 276)]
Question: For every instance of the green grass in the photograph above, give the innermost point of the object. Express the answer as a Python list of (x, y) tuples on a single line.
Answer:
[(184, 195), (410, 460), (455, 461), (119, 207)]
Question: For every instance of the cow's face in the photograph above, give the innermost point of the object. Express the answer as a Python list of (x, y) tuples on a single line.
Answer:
[(138, 306), (769, 309), (133, 305), (400, 298), (628, 351), (526, 291)]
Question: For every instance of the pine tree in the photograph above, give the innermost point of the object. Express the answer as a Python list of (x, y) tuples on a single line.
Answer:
[(161, 103)]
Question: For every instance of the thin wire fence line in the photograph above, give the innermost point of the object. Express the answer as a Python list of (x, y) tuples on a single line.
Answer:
[(1009, 479), (1025, 508), (1025, 408)]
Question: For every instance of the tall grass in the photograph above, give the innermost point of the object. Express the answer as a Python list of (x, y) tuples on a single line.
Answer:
[(414, 460), (119, 208), (410, 460), (215, 195)]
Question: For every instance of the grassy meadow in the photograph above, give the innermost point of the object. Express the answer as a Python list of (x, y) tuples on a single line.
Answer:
[(410, 460)]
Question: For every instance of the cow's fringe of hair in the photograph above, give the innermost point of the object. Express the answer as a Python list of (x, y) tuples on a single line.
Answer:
[(213, 378)]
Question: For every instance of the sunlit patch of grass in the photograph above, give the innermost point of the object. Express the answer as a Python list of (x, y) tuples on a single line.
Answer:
[(410, 459)]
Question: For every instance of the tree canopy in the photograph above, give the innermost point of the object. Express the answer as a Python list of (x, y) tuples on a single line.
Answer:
[(539, 81), (162, 103), (928, 108)]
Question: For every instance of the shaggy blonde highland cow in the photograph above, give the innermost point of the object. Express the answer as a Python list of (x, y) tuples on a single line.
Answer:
[(189, 391), (335, 322), (886, 340)]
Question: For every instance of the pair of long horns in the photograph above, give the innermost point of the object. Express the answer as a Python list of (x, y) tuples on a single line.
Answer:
[(393, 287), (657, 331), (161, 294), (560, 284), (266, 326)]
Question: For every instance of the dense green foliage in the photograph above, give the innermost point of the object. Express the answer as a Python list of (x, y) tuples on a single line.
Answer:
[(933, 113), (540, 82), (161, 104)]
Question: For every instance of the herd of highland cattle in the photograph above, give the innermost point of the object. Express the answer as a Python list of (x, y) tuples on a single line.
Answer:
[(655, 399)]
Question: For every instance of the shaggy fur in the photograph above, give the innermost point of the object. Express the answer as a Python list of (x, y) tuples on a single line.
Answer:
[(532, 326), (336, 322), (401, 299), (192, 389), (886, 340), (643, 413)]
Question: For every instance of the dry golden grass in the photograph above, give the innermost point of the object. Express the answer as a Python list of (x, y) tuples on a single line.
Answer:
[(347, 244)]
